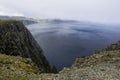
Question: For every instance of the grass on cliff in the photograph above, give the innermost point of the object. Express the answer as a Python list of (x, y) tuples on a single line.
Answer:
[(15, 68), (4, 22)]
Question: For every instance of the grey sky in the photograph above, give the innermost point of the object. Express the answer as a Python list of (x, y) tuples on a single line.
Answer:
[(103, 11)]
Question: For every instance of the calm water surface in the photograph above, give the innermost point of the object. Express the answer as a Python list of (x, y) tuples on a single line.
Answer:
[(63, 42)]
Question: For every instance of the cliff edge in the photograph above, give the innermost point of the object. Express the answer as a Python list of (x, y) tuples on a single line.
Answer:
[(16, 40)]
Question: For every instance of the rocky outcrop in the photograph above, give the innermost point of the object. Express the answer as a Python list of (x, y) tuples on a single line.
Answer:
[(16, 40), (113, 47)]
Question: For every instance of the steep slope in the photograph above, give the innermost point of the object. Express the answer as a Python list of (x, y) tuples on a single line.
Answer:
[(16, 40)]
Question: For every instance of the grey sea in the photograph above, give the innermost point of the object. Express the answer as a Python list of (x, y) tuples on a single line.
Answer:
[(63, 42)]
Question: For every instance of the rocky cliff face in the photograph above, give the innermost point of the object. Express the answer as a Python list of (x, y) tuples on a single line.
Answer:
[(16, 40)]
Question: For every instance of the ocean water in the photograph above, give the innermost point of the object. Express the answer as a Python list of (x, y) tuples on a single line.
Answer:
[(63, 42)]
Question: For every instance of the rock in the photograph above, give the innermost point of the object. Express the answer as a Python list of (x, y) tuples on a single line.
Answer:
[(16, 40), (113, 46)]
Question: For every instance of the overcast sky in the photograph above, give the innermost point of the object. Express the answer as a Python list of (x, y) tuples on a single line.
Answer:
[(102, 11)]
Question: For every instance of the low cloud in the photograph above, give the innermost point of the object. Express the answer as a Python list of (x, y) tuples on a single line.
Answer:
[(9, 12), (101, 11)]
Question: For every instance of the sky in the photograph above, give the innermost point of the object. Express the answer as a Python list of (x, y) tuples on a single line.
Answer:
[(101, 11)]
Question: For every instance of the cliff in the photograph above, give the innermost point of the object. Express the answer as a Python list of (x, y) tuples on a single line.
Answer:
[(16, 40), (21, 58)]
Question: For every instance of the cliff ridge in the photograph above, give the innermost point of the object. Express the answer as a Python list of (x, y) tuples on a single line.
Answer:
[(16, 40)]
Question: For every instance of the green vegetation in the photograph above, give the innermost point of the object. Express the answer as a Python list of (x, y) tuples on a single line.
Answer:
[(14, 67), (4, 23)]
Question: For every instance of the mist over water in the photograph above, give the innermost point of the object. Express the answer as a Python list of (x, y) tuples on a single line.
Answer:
[(63, 42)]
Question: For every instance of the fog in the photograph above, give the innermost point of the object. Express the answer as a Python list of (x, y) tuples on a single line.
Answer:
[(101, 11)]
